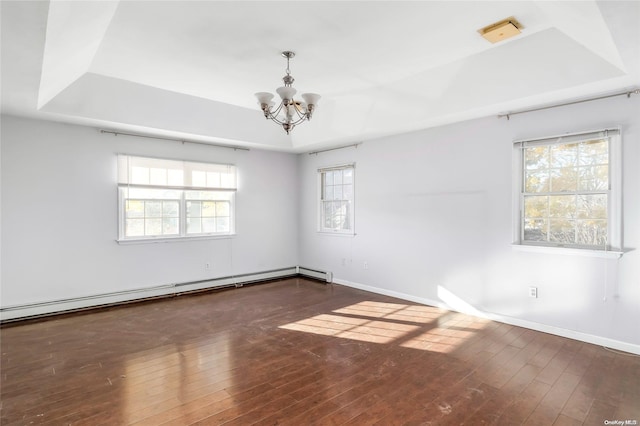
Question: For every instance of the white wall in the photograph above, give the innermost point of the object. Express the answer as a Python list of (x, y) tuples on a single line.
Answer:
[(434, 223), (59, 215)]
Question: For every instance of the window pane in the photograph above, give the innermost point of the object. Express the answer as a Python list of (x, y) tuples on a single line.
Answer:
[(328, 192), (592, 206), (134, 228), (337, 192), (594, 178), (562, 231), (537, 181), (194, 226), (564, 179), (134, 208), (170, 226), (536, 206), (594, 152), (170, 208), (222, 209), (153, 227), (337, 177), (347, 192), (208, 209), (328, 178), (562, 206), (347, 176), (194, 209), (536, 157), (346, 224), (327, 222), (222, 224), (208, 224), (153, 208), (535, 230), (564, 155), (592, 232)]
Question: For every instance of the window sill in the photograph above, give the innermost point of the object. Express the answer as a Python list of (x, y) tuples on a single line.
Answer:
[(174, 239), (337, 234), (608, 254)]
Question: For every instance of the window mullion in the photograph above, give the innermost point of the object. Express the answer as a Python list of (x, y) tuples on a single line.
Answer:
[(183, 214)]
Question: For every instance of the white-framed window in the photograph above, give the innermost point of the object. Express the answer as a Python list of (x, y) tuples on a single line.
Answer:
[(160, 198), (569, 191), (336, 204)]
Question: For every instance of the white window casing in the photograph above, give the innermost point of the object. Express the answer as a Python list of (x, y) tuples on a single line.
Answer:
[(336, 196), (568, 192), (162, 199)]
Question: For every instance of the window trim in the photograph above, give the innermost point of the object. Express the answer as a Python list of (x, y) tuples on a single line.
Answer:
[(124, 183), (320, 216), (614, 195)]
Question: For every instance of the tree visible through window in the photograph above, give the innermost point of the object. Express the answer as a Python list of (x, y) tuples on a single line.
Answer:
[(566, 193), (336, 199)]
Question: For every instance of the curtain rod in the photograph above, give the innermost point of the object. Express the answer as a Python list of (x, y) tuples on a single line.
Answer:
[(628, 94), (116, 133), (354, 145)]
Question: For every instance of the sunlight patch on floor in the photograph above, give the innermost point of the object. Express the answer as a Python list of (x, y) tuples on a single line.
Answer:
[(420, 327), (393, 311), (352, 328)]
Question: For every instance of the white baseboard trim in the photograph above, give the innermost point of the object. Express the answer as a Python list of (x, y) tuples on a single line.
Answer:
[(30, 310), (562, 332)]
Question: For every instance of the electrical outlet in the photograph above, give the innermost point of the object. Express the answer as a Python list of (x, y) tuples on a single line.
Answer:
[(365, 265), (533, 292)]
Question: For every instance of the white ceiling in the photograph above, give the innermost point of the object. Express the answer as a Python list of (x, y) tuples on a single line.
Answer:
[(190, 69)]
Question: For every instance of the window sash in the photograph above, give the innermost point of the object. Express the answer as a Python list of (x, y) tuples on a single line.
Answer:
[(156, 180), (227, 221), (613, 235), (336, 211)]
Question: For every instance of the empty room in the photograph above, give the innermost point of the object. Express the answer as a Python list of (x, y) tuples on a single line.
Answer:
[(320, 212)]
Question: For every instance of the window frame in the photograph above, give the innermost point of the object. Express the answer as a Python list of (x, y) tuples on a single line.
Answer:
[(321, 176), (614, 243), (124, 185)]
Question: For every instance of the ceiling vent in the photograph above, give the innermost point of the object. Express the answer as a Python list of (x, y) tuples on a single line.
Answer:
[(501, 30)]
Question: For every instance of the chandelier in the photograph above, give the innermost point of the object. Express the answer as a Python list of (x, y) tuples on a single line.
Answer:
[(289, 112)]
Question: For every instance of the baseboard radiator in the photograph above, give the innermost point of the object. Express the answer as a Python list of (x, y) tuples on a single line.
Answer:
[(34, 310)]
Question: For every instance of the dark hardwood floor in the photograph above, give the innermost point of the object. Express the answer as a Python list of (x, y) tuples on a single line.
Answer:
[(300, 352)]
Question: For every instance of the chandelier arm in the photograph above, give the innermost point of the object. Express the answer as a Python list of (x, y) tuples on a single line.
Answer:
[(275, 119), (277, 110), (300, 115), (298, 121)]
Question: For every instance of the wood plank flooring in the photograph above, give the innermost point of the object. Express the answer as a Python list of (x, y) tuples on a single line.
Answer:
[(298, 352)]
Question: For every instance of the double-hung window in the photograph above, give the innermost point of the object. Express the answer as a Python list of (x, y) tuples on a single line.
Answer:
[(336, 205), (161, 198), (569, 191)]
